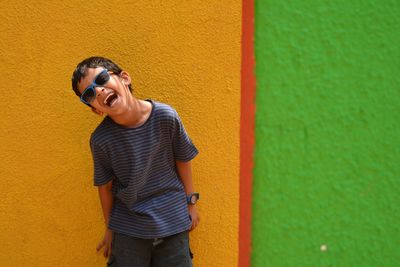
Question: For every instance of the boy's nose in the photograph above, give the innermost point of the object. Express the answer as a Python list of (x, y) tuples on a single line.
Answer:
[(99, 91)]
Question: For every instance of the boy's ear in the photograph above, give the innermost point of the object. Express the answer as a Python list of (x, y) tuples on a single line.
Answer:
[(126, 78), (97, 112)]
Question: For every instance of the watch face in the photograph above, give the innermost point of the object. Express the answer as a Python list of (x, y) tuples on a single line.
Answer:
[(194, 198)]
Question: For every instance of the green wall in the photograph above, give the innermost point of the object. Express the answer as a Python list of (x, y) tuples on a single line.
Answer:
[(327, 150)]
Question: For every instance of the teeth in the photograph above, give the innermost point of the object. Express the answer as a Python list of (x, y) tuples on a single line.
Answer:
[(105, 100)]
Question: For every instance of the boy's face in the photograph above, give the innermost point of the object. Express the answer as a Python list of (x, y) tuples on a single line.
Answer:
[(112, 97)]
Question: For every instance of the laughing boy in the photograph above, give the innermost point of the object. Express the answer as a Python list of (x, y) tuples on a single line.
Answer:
[(142, 168)]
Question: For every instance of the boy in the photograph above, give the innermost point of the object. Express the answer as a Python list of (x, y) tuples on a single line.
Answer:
[(141, 154)]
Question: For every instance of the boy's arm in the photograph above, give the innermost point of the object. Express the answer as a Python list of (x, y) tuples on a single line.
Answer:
[(106, 199), (185, 174)]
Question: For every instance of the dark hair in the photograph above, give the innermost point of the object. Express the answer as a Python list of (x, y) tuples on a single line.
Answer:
[(93, 62)]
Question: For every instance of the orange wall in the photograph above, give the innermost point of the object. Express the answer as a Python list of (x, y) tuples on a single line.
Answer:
[(184, 53)]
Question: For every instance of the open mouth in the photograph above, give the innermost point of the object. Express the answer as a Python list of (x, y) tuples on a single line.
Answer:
[(110, 99)]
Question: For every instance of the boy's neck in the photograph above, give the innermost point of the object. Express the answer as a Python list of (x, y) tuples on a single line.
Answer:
[(137, 113)]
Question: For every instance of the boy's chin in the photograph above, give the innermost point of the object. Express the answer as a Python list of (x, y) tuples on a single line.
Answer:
[(98, 112)]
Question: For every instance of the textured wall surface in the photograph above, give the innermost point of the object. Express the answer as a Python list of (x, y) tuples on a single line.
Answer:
[(327, 136), (185, 53)]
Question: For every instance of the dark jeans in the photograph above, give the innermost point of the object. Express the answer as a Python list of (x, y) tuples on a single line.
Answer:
[(171, 251)]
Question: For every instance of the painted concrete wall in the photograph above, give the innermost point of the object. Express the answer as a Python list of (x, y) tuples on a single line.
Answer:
[(185, 53), (327, 137)]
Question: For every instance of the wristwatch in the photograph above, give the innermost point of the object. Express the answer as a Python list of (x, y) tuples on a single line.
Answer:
[(192, 198)]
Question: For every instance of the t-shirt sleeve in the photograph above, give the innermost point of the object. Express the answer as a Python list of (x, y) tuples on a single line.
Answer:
[(183, 147), (101, 164)]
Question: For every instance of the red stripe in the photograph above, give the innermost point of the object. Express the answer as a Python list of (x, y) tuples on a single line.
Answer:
[(248, 89)]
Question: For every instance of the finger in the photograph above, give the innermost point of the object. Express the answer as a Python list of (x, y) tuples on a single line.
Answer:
[(194, 224), (100, 245), (108, 246), (105, 252)]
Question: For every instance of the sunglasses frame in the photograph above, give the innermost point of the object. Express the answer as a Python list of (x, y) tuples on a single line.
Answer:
[(93, 86)]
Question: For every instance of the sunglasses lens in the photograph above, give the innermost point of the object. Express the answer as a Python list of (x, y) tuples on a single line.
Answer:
[(88, 95), (102, 78)]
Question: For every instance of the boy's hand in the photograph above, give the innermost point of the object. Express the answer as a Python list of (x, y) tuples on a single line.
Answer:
[(194, 215), (106, 243)]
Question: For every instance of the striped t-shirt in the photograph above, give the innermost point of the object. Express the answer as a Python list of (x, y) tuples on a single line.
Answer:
[(149, 197)]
